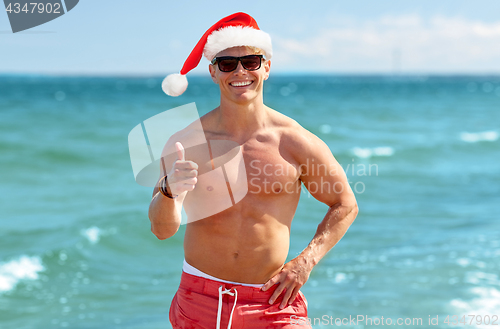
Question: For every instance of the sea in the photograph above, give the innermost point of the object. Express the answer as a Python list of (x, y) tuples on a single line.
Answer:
[(421, 153)]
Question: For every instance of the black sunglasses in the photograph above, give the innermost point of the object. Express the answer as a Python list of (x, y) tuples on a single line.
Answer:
[(230, 63)]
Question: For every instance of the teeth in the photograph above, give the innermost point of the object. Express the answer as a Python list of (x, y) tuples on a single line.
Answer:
[(240, 84)]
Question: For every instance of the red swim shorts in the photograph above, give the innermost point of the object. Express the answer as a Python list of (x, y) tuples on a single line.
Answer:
[(202, 303)]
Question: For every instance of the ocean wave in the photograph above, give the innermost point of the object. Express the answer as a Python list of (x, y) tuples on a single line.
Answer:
[(485, 136), (487, 301), (369, 152), (93, 234), (23, 268)]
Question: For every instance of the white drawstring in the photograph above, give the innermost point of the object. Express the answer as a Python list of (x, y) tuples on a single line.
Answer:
[(219, 309)]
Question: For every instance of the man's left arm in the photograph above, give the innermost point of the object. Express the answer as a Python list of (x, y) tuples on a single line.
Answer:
[(325, 179)]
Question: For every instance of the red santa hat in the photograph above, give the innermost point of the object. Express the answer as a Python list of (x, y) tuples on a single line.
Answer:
[(235, 30)]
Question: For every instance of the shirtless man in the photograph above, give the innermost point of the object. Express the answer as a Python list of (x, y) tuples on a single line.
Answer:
[(239, 253)]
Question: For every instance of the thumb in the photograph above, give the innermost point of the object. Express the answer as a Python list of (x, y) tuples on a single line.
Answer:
[(180, 151)]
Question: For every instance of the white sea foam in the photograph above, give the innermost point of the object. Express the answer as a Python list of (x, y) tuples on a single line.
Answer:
[(485, 136), (93, 234), (486, 302), (340, 277), (376, 151), (464, 262), (22, 268)]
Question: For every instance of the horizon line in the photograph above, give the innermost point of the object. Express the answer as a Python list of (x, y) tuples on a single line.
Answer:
[(279, 74)]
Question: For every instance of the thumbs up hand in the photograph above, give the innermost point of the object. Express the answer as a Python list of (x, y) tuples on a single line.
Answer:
[(183, 176)]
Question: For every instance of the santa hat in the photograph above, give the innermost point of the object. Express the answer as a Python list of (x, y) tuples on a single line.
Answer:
[(238, 29)]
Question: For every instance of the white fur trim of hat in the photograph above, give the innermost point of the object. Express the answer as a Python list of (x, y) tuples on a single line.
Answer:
[(235, 36)]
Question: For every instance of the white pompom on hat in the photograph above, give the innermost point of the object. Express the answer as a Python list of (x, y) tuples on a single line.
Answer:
[(174, 84), (238, 29)]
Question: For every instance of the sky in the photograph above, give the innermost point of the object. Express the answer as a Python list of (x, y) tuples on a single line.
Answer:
[(154, 37)]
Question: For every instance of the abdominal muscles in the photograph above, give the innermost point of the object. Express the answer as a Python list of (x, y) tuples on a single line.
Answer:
[(234, 248)]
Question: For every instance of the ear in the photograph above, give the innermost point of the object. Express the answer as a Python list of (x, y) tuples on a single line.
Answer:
[(211, 69), (267, 68)]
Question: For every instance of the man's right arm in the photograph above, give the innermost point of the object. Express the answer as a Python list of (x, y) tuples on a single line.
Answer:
[(165, 212)]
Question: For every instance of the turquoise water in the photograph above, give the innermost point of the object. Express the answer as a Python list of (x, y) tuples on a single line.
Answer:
[(421, 152)]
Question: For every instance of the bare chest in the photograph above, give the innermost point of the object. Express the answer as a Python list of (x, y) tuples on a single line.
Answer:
[(270, 169)]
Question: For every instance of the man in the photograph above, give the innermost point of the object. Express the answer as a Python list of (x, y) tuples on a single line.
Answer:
[(234, 271)]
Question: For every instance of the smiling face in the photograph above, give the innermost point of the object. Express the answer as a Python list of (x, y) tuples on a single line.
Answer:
[(240, 86)]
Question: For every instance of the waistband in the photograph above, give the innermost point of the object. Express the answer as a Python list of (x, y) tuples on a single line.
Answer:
[(210, 287), (190, 269)]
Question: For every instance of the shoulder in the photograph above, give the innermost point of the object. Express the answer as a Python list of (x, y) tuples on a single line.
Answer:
[(195, 133), (283, 123), (301, 145), (295, 138), (190, 135)]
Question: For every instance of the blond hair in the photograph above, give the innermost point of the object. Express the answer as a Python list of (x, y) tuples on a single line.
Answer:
[(254, 50)]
